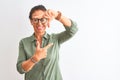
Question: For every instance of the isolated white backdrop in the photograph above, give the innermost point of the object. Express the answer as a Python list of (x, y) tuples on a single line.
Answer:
[(92, 54)]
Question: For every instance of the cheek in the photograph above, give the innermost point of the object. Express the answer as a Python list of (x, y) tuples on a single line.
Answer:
[(45, 25), (33, 24)]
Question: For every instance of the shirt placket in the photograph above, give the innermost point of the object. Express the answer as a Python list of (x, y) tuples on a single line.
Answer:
[(43, 45)]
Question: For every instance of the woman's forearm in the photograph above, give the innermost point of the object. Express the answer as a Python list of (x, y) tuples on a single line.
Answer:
[(64, 20), (27, 65)]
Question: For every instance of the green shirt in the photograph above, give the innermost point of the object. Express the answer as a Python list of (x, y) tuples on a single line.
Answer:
[(48, 68)]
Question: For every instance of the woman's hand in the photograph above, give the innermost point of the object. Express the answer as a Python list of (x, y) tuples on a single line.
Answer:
[(50, 15), (41, 53)]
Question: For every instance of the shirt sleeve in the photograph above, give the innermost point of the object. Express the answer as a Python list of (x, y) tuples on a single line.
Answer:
[(21, 58), (68, 33)]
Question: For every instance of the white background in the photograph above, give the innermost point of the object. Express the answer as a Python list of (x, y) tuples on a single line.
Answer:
[(92, 54)]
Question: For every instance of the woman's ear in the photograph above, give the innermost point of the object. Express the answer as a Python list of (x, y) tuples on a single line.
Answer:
[(31, 22)]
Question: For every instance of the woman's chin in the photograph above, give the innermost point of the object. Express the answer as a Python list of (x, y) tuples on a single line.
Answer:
[(40, 31)]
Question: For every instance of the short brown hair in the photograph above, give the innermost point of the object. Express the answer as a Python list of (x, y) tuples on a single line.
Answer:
[(35, 8)]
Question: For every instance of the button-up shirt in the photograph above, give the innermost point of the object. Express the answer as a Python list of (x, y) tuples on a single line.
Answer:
[(48, 68)]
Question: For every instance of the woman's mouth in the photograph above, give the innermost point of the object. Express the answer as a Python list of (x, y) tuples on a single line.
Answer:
[(40, 27)]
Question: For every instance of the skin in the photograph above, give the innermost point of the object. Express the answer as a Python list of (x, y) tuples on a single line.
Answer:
[(39, 30)]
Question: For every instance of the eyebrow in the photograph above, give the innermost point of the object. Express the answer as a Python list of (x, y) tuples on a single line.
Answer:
[(38, 18)]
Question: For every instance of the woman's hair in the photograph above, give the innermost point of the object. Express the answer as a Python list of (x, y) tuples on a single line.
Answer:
[(35, 8)]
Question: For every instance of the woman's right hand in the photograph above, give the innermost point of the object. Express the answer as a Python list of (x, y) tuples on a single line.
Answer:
[(41, 53)]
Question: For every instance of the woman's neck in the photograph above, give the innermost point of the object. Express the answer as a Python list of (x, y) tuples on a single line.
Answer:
[(39, 36)]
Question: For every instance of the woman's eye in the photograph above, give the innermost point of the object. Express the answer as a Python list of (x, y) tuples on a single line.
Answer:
[(43, 20)]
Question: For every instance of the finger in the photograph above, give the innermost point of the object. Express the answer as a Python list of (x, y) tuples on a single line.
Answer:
[(46, 15), (48, 24), (48, 18), (45, 54), (48, 46), (37, 44)]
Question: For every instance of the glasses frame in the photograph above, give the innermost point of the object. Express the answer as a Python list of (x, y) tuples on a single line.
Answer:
[(41, 20)]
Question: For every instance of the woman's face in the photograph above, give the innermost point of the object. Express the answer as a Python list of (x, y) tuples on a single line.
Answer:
[(39, 22)]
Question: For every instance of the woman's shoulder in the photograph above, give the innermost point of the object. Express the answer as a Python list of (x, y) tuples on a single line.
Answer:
[(27, 39)]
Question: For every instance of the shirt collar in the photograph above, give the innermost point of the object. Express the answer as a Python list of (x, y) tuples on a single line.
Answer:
[(46, 36)]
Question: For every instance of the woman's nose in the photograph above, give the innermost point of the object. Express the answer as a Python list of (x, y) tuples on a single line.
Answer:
[(39, 23)]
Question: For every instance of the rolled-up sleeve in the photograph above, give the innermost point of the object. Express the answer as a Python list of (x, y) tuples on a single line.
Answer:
[(21, 58), (68, 33)]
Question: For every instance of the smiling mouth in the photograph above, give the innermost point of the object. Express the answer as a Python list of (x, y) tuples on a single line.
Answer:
[(40, 27)]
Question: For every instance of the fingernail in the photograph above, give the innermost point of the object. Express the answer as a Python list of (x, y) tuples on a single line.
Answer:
[(51, 43)]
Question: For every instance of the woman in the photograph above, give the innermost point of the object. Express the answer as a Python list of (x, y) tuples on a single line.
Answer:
[(39, 54)]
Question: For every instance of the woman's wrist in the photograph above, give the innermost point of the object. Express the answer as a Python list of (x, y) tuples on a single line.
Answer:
[(58, 17), (32, 59)]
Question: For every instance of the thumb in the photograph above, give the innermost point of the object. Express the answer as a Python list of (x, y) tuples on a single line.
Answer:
[(48, 24), (48, 46), (37, 44)]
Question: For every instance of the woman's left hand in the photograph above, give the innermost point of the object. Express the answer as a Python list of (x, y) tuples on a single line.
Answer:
[(50, 15)]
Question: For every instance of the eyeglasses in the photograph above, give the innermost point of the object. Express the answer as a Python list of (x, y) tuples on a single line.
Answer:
[(42, 20)]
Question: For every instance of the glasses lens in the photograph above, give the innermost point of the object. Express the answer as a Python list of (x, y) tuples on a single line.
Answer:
[(43, 20), (35, 20)]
